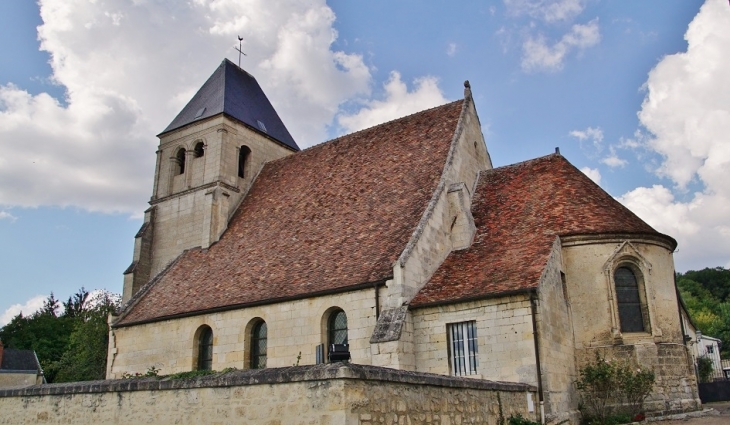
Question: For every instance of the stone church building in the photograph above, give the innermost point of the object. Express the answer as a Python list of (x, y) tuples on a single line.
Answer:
[(401, 244)]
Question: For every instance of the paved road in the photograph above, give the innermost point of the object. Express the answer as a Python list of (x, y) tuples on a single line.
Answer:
[(721, 417)]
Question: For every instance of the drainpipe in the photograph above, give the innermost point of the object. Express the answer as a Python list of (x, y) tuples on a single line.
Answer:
[(377, 300), (534, 299)]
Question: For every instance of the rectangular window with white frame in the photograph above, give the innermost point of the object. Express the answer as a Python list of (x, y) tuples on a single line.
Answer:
[(464, 354)]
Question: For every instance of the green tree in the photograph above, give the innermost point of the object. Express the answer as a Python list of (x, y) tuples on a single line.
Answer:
[(85, 358), (44, 332), (706, 293), (68, 341)]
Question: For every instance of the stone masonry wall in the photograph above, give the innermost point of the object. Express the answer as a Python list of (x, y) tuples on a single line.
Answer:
[(504, 332), (181, 209), (589, 267), (335, 394), (431, 242), (293, 327), (557, 348), (19, 379)]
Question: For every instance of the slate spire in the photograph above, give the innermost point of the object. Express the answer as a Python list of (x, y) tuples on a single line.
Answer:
[(236, 93)]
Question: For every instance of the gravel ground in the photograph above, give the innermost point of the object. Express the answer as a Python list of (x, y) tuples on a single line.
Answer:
[(718, 415)]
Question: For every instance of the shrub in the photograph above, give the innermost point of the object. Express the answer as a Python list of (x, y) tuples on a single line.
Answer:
[(705, 368), (519, 420), (612, 392)]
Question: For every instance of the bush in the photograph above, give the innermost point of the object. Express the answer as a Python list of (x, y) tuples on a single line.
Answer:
[(519, 420), (612, 392), (705, 368)]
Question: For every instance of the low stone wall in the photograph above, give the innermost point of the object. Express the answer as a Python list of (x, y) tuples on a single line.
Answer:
[(322, 394)]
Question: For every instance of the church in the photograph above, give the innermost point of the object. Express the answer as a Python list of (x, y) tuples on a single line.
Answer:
[(397, 246)]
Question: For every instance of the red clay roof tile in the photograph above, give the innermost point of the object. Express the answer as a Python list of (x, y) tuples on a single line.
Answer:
[(519, 210), (329, 217)]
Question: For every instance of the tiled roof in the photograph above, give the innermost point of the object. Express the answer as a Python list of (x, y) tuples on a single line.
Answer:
[(519, 210), (19, 360), (236, 93), (327, 218)]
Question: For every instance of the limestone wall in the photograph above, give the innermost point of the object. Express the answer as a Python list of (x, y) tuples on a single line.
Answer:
[(589, 265), (431, 241), (557, 353), (504, 331), (181, 221), (337, 394), (293, 327), (19, 379)]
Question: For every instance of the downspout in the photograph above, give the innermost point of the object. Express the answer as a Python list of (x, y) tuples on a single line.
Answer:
[(533, 307), (377, 300), (679, 308)]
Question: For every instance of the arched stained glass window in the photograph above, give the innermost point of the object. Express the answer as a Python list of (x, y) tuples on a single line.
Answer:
[(205, 349), (628, 300), (258, 345), (337, 328)]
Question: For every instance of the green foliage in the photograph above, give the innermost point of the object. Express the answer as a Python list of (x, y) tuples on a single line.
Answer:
[(70, 346), (612, 392), (519, 420), (706, 293), (85, 358), (44, 332), (191, 374), (705, 368)]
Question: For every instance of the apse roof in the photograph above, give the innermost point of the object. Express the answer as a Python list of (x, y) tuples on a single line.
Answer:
[(236, 93), (518, 211)]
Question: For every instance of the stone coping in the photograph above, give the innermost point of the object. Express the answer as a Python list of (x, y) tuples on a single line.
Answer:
[(267, 376)]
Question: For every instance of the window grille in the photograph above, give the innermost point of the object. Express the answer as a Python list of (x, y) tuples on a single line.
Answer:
[(258, 346), (205, 349), (464, 351), (628, 300), (338, 328)]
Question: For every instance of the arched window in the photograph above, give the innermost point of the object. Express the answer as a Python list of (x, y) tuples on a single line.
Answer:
[(199, 149), (180, 158), (337, 328), (205, 348), (258, 345), (628, 299), (243, 155)]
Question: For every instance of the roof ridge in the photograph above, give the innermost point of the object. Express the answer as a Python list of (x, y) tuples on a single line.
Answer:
[(388, 122), (330, 141)]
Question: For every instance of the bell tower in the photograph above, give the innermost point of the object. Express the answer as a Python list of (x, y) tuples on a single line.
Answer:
[(207, 159)]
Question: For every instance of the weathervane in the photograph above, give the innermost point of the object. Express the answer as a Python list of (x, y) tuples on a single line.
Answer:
[(240, 52)]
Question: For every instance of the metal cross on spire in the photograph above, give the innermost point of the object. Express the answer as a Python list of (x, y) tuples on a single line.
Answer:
[(240, 51)]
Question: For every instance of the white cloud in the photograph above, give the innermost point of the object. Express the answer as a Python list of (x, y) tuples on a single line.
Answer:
[(593, 174), (451, 49), (4, 215), (398, 102), (129, 67), (31, 306), (546, 10), (687, 112), (538, 55), (612, 160), (594, 135)]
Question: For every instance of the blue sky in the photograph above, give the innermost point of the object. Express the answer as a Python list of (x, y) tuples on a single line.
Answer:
[(634, 93)]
